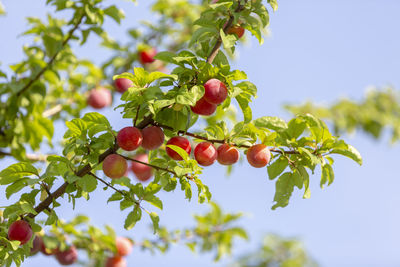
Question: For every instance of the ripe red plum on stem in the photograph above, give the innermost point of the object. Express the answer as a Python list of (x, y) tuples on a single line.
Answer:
[(142, 171), (215, 91), (205, 153), (147, 56), (122, 84), (129, 138), (258, 155), (181, 142), (227, 154), (67, 257), (20, 230), (153, 137), (203, 107), (114, 166)]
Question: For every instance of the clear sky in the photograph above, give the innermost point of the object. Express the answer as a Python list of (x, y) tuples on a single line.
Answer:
[(318, 50)]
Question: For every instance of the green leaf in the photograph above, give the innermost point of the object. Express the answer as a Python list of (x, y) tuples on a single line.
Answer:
[(133, 217), (244, 106), (156, 75), (350, 152), (181, 152), (18, 185), (114, 13), (228, 40), (154, 200), (277, 167), (76, 128), (327, 175), (284, 188), (88, 183), (274, 4), (314, 160), (96, 118), (155, 219), (16, 171), (117, 196), (273, 123)]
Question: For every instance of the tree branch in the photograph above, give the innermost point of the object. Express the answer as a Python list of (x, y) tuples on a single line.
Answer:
[(33, 157), (82, 172), (146, 121), (218, 44), (218, 141), (50, 62), (156, 167)]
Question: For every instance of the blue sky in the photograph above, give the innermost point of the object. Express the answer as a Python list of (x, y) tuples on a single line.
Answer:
[(317, 50)]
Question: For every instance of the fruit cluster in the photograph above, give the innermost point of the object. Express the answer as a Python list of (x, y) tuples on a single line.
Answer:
[(21, 231), (101, 97), (152, 137), (215, 92)]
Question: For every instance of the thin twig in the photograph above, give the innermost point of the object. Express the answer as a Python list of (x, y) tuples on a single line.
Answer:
[(137, 115), (50, 62), (218, 141), (156, 167), (87, 168), (33, 157), (218, 44)]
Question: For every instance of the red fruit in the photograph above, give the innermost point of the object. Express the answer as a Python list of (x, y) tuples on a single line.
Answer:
[(124, 246), (258, 155), (99, 98), (236, 29), (215, 91), (153, 137), (129, 138), (67, 257), (141, 171), (203, 107), (205, 153), (227, 154), (37, 244), (21, 231), (180, 141), (116, 262), (122, 84), (147, 56), (114, 166)]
